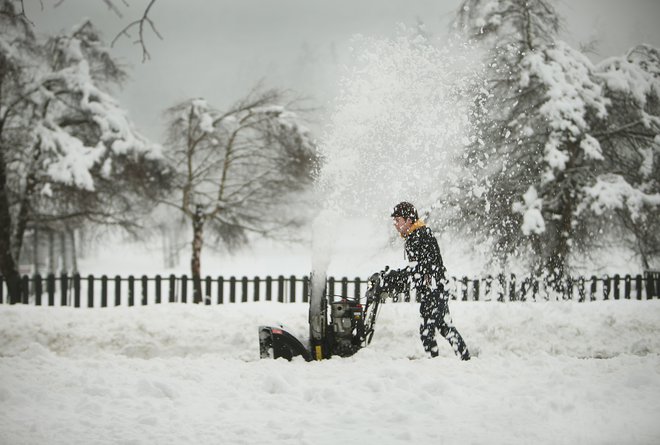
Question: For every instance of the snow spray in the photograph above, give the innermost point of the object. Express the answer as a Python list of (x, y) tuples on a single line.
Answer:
[(398, 127)]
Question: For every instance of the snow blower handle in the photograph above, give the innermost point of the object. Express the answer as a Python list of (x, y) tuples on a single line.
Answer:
[(375, 286)]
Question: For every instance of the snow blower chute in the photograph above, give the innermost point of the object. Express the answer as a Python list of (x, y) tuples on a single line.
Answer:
[(350, 327)]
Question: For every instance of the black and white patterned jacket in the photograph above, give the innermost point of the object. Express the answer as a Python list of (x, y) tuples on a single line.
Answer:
[(426, 272)]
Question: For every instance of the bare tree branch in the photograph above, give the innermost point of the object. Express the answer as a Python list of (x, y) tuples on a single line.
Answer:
[(112, 7), (140, 24)]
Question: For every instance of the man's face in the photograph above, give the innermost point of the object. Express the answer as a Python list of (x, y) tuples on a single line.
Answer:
[(402, 225)]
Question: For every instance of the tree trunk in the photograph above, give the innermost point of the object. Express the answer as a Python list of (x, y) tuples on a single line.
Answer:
[(164, 238), (74, 251), (65, 259), (23, 214), (196, 262), (35, 252), (8, 266), (558, 261), (52, 261)]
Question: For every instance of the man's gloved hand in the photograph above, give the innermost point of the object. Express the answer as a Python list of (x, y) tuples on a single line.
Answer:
[(394, 282)]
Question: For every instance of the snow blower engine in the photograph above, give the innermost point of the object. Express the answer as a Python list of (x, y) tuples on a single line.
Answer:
[(350, 328)]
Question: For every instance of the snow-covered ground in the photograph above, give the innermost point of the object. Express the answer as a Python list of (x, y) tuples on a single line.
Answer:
[(545, 373)]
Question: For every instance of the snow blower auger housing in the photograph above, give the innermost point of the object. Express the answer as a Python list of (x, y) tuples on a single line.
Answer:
[(350, 327)]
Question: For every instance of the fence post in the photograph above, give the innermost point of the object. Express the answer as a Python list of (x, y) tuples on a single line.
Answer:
[(184, 289), (232, 289), (145, 285), (594, 288), (104, 291), (581, 290), (501, 291), (524, 288), (2, 289), (638, 286), (356, 289), (131, 290), (568, 295), (292, 289), (244, 289), (344, 287), (535, 288), (476, 285), (306, 289), (269, 288), (64, 288), (25, 289), (257, 285), (38, 289), (76, 290), (90, 291), (172, 290), (650, 286), (207, 294), (607, 285), (117, 290), (627, 286), (50, 288), (221, 290), (464, 281), (280, 289), (617, 293), (488, 288), (512, 288), (159, 288)]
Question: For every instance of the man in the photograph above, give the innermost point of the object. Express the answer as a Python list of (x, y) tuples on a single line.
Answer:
[(427, 273)]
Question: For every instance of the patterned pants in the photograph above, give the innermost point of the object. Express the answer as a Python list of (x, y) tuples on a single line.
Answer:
[(436, 317)]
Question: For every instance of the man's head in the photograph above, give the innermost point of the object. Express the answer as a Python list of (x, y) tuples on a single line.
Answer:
[(405, 215)]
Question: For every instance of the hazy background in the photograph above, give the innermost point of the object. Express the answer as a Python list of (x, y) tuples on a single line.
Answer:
[(219, 49)]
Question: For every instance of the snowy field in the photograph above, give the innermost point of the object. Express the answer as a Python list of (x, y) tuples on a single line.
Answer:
[(545, 373)]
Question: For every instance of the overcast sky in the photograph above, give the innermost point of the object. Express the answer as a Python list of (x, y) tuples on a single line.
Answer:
[(218, 49)]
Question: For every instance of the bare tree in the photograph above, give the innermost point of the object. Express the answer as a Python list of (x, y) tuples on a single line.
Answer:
[(237, 170)]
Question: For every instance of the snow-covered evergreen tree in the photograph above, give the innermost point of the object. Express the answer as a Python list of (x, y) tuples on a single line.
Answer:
[(627, 186), (548, 136), (68, 151)]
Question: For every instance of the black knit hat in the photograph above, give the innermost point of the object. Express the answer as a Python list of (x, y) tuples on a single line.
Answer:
[(405, 210)]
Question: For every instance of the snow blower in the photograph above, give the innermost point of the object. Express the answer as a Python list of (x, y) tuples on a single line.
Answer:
[(350, 328)]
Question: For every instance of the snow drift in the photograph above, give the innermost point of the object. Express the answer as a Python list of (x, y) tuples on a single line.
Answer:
[(559, 372)]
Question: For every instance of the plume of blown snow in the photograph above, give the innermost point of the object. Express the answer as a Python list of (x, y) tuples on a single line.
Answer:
[(399, 125)]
